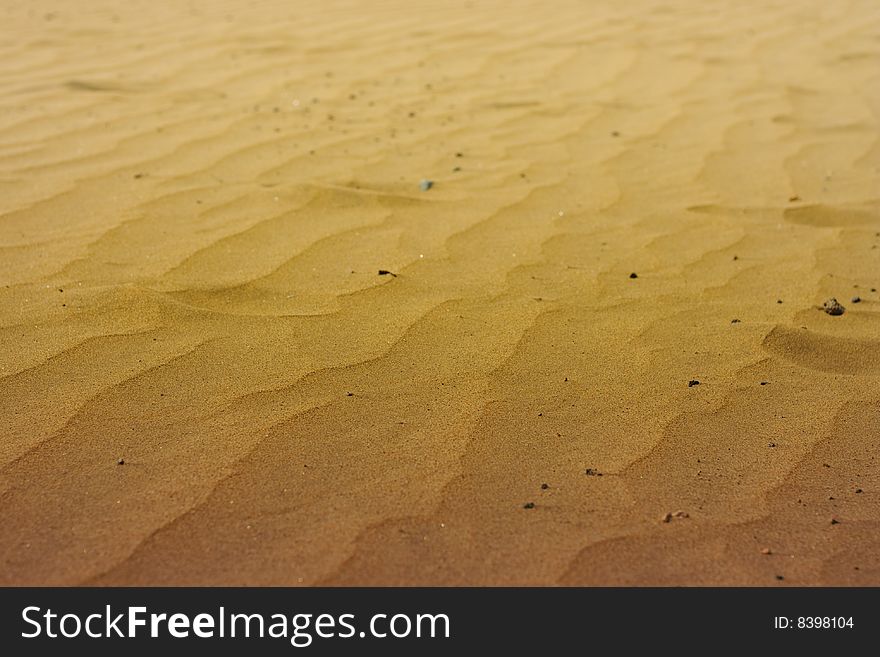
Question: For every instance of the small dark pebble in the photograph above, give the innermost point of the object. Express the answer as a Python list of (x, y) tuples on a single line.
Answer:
[(120, 462), (529, 505), (833, 307), (456, 169), (591, 472), (546, 486), (138, 176), (614, 133), (385, 272), (634, 275), (349, 394), (780, 577), (736, 257), (425, 185), (771, 444), (835, 521), (856, 299), (734, 321), (858, 490), (459, 155), (692, 383), (792, 199), (763, 383), (779, 301)]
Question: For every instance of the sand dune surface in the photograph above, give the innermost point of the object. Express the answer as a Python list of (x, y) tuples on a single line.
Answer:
[(597, 355)]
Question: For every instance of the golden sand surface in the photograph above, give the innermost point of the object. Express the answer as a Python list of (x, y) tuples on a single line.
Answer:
[(205, 380)]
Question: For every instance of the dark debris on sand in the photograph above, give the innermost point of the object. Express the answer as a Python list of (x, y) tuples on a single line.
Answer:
[(832, 307), (668, 517)]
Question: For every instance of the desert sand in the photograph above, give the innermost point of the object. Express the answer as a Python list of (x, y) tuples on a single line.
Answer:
[(205, 380)]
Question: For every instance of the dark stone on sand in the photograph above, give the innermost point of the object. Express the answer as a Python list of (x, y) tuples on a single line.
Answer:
[(459, 155), (763, 383), (780, 577), (385, 272), (120, 462), (779, 301), (857, 299), (734, 321), (591, 472), (858, 490), (456, 169), (832, 307), (529, 505), (835, 521), (692, 383), (425, 185), (634, 275), (349, 394), (771, 445), (546, 486)]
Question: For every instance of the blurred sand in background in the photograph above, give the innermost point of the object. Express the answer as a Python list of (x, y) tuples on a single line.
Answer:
[(196, 199)]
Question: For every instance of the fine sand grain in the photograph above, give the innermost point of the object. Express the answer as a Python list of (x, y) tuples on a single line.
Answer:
[(340, 292)]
